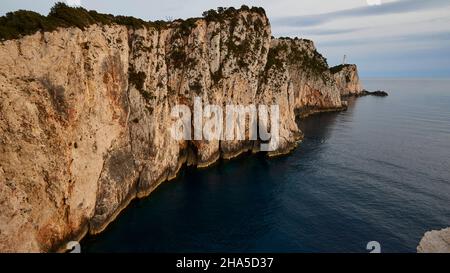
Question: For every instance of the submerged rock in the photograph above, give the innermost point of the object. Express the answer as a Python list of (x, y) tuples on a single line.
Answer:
[(377, 93)]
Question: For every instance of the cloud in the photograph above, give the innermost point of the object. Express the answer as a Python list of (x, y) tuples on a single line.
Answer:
[(401, 6), (326, 32), (315, 32), (437, 38)]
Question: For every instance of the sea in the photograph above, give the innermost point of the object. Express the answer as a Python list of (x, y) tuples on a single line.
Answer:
[(379, 171)]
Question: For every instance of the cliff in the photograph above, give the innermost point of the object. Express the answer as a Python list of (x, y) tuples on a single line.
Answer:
[(436, 241), (347, 79), (85, 112)]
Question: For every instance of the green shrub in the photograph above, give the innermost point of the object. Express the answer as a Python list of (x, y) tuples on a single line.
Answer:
[(19, 23), (186, 26), (137, 79), (338, 68), (228, 13), (196, 87), (210, 15), (130, 22), (241, 49), (68, 16), (316, 63), (245, 8), (258, 25), (178, 57), (146, 95), (258, 10), (159, 24), (274, 56), (16, 24), (218, 75), (104, 19), (22, 22)]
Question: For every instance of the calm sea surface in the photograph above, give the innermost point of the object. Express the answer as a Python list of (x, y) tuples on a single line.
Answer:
[(378, 172)]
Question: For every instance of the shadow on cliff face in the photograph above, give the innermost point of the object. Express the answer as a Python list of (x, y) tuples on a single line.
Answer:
[(223, 207), (319, 126)]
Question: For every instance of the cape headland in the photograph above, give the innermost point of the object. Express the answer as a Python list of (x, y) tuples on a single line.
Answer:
[(85, 106)]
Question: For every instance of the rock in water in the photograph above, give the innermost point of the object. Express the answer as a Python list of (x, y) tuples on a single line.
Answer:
[(378, 93), (435, 242)]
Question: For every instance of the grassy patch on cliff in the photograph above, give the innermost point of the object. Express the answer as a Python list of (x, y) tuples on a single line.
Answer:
[(274, 57), (288, 51), (316, 63)]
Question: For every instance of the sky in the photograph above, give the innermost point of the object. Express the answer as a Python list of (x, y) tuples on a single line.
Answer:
[(385, 38)]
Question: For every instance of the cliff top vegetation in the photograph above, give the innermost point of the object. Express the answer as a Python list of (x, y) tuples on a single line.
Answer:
[(338, 68), (288, 50), (22, 22)]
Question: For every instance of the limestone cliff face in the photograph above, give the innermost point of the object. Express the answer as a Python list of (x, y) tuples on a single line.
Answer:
[(347, 79), (84, 114), (297, 78), (64, 120), (436, 241)]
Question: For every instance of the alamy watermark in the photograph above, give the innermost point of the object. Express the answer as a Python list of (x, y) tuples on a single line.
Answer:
[(374, 247), (211, 122), (73, 247)]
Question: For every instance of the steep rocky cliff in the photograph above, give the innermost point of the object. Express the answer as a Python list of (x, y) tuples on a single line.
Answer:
[(347, 79), (297, 78), (85, 112)]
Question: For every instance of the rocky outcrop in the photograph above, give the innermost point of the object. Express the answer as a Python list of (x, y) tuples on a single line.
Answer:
[(436, 241), (378, 93), (85, 113), (347, 79), (297, 77)]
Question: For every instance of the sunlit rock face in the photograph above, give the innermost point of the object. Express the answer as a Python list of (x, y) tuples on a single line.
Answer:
[(347, 79), (84, 114), (436, 241)]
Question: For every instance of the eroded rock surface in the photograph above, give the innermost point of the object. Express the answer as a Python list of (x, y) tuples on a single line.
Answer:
[(84, 114), (347, 79), (436, 241)]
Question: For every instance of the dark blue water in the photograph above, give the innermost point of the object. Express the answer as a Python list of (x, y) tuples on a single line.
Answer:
[(380, 171)]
